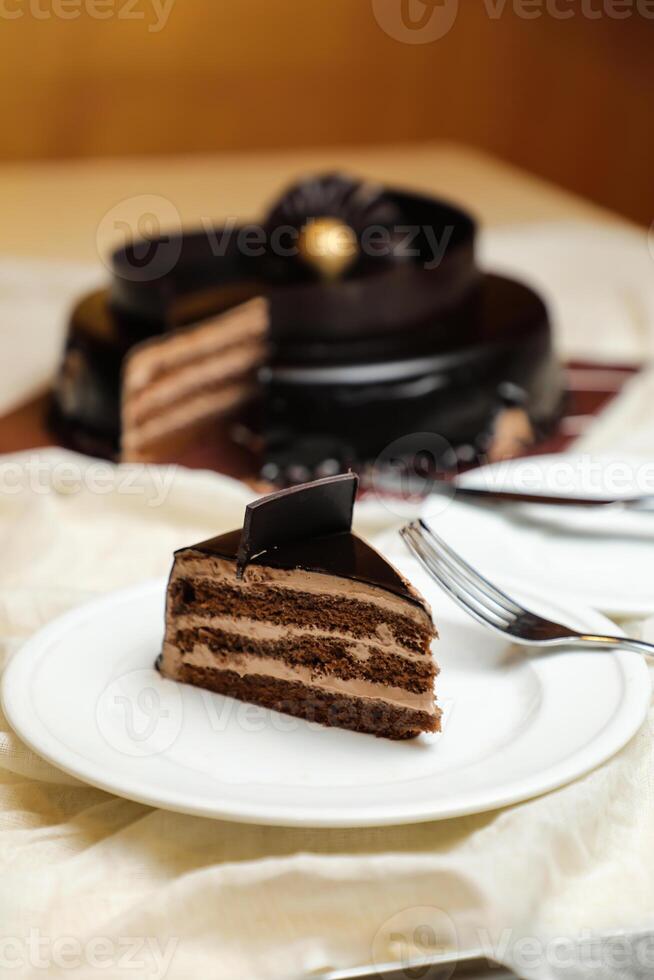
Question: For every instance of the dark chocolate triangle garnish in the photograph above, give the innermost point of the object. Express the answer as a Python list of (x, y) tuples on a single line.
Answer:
[(311, 510)]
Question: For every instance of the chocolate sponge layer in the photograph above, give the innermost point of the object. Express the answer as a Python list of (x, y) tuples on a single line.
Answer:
[(297, 608), (301, 701), (322, 654)]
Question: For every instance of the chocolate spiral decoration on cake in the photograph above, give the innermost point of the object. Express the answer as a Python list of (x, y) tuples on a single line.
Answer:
[(328, 217)]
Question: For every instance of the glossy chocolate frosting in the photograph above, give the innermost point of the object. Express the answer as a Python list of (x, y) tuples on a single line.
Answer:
[(308, 511), (308, 527), (403, 342), (343, 554), (423, 267)]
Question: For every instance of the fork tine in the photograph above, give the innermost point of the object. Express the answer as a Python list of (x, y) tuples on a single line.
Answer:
[(468, 582), (422, 550), (501, 598), (473, 597), (456, 593)]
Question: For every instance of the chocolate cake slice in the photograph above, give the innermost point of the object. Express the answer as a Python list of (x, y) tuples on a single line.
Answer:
[(296, 613), (176, 383)]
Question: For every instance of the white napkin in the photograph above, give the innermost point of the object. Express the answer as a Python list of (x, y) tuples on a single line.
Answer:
[(598, 281), (628, 422), (36, 298), (95, 886), (87, 876)]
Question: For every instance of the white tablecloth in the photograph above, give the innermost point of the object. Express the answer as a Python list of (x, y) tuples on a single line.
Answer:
[(95, 886)]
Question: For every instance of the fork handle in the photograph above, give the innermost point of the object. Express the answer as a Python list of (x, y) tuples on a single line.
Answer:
[(611, 642)]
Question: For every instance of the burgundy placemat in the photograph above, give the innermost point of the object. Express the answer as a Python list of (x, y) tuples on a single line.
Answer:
[(591, 388)]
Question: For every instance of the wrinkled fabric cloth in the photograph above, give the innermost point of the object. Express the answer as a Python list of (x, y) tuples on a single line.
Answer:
[(83, 871), (559, 888)]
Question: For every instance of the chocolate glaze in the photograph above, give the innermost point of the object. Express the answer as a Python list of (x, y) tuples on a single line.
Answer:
[(310, 510), (308, 527), (343, 554), (455, 390), (379, 295), (397, 345)]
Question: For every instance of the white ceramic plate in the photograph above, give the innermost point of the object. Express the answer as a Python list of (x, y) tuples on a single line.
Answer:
[(84, 695), (594, 557)]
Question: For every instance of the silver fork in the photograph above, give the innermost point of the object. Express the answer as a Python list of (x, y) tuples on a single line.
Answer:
[(490, 606)]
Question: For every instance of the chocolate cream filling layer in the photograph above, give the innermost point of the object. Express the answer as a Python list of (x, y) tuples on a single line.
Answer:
[(203, 657), (306, 606), (171, 352), (216, 572), (361, 648), (186, 413), (176, 386), (295, 608), (181, 378), (323, 655)]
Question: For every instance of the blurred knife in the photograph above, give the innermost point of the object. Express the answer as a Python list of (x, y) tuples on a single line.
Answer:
[(468, 968), (644, 502)]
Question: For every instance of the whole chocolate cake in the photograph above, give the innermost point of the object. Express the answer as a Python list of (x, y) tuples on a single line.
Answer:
[(353, 316)]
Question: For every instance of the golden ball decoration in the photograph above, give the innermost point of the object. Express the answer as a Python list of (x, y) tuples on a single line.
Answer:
[(329, 246)]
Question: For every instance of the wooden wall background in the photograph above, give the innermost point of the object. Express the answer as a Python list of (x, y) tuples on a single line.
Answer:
[(569, 99)]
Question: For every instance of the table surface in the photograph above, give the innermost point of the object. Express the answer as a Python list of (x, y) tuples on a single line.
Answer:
[(80, 210)]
